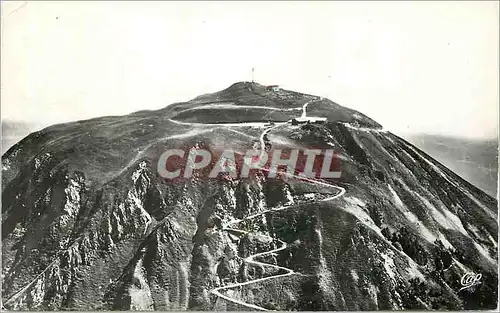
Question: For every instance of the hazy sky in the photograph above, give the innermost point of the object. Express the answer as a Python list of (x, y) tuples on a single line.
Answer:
[(412, 66)]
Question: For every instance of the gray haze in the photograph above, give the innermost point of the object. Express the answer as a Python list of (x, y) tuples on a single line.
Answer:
[(415, 67)]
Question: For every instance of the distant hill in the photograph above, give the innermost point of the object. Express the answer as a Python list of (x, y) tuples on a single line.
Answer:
[(89, 224), (14, 131), (474, 160)]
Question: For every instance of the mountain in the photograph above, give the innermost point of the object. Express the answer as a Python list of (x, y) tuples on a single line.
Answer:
[(89, 224), (476, 160)]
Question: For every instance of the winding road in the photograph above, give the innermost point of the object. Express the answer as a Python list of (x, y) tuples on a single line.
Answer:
[(230, 226), (251, 259)]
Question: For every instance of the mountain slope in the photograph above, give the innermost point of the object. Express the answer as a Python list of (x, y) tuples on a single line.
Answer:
[(88, 224)]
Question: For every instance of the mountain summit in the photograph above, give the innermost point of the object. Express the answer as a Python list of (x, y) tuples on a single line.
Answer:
[(88, 224)]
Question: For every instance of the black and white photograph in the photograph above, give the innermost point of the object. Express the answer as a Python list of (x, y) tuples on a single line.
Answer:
[(249, 155)]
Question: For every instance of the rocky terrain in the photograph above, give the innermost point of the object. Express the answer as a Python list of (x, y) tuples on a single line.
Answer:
[(476, 160), (88, 224)]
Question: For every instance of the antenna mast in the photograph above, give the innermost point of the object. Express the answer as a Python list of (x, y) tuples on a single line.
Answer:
[(252, 73)]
